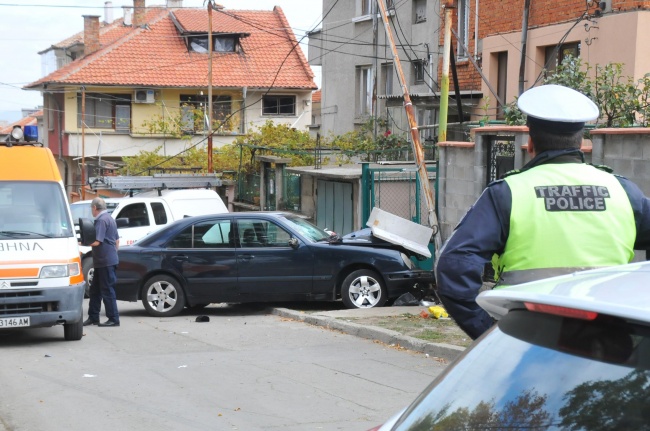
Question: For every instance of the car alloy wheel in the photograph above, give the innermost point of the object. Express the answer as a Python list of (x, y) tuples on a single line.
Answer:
[(163, 295), (363, 289)]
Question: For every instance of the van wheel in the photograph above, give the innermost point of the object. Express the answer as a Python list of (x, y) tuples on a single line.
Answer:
[(88, 271), (162, 296), (363, 289), (74, 331)]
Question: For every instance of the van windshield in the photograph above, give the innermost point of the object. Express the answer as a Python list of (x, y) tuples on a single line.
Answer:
[(33, 209)]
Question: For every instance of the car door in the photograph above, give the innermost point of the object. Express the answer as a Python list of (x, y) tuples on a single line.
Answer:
[(269, 269), (203, 254), (139, 222)]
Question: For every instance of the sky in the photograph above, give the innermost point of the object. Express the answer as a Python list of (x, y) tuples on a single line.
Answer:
[(31, 26)]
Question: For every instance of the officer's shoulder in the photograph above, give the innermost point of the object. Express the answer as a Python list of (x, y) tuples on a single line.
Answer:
[(603, 168)]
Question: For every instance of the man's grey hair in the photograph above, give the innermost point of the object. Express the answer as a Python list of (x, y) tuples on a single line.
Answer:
[(98, 203)]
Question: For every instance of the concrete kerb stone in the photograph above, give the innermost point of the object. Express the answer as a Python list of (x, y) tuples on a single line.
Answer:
[(386, 336)]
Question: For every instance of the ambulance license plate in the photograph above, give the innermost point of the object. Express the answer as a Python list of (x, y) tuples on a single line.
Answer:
[(14, 322)]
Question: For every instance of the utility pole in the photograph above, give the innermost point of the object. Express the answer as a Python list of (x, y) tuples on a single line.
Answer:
[(83, 143), (415, 134), (444, 81), (210, 170)]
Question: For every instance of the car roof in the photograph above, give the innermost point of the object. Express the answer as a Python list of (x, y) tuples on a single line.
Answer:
[(620, 291)]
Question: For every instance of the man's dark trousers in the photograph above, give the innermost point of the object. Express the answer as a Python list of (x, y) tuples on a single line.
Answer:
[(102, 288)]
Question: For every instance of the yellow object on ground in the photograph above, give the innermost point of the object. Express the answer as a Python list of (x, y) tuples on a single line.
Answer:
[(437, 311)]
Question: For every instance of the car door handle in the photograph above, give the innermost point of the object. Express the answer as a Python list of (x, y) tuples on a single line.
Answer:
[(247, 256), (181, 258)]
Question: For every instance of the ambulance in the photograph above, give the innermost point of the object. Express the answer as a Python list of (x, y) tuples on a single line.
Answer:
[(41, 283)]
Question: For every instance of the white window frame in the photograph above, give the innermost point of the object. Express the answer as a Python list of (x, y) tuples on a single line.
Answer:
[(364, 90), (463, 29), (387, 71)]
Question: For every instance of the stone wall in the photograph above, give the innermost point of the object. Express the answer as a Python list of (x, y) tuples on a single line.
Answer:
[(462, 167)]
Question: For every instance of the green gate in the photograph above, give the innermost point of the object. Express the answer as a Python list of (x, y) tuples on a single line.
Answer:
[(398, 191)]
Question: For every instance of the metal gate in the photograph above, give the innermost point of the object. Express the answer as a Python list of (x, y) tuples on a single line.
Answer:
[(398, 191), (334, 206), (501, 156)]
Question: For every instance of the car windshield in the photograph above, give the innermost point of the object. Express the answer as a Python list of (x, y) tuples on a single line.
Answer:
[(32, 209), (82, 210), (542, 372), (307, 229)]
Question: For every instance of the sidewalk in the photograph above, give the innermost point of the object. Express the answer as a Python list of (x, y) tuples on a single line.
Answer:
[(336, 320)]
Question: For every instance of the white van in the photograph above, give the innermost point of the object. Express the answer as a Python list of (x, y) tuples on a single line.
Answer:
[(147, 212), (41, 283)]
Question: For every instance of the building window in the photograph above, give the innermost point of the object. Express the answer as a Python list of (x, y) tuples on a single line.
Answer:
[(105, 111), (366, 7), (279, 105), (219, 43), (554, 55), (195, 114), (502, 81), (387, 78), (418, 71), (364, 90), (463, 28), (419, 11)]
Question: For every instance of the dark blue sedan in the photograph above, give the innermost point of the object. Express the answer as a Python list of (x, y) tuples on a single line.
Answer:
[(260, 257)]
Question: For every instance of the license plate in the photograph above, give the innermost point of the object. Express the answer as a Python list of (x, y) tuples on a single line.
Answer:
[(14, 322)]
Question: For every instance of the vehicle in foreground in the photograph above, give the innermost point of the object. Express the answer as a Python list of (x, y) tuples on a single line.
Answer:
[(41, 283), (259, 257), (567, 353)]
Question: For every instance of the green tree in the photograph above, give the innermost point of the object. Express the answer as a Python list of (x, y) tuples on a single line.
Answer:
[(616, 96)]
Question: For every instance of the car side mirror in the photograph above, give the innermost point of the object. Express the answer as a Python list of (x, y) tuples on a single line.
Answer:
[(122, 222), (87, 234), (293, 243)]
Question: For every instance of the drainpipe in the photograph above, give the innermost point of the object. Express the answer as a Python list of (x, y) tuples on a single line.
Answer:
[(524, 41)]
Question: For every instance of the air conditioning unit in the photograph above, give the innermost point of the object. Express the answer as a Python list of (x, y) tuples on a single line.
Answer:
[(144, 96)]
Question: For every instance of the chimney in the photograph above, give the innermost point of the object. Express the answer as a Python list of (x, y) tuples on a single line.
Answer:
[(139, 13), (174, 3), (91, 33), (108, 12), (127, 15)]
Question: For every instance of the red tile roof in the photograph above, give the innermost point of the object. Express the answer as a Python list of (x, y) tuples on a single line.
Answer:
[(156, 56), (30, 120), (316, 96)]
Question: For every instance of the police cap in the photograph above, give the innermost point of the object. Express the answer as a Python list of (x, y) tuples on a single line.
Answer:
[(557, 108)]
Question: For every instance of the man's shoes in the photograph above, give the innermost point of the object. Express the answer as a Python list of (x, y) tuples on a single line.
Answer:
[(109, 323), (89, 322)]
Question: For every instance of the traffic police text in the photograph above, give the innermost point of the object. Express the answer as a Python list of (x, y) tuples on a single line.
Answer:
[(573, 198)]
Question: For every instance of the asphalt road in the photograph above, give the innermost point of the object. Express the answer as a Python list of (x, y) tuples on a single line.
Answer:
[(245, 369)]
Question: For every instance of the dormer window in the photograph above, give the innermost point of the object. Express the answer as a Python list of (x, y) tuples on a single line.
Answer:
[(219, 43)]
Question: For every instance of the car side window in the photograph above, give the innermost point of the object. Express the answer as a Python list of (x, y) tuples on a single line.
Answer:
[(136, 213), (262, 233), (206, 234), (159, 213)]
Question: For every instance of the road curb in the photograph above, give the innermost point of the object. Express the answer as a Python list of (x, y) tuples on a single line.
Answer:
[(440, 350)]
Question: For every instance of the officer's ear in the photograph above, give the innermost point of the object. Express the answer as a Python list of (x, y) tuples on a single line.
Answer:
[(531, 147)]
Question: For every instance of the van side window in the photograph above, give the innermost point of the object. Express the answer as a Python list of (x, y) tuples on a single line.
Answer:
[(136, 213), (159, 214)]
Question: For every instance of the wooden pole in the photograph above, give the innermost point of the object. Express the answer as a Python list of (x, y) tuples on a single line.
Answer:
[(83, 143), (415, 135), (210, 170), (444, 81)]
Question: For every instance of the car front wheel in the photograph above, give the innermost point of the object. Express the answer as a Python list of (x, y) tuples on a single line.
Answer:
[(89, 272), (163, 296), (363, 289)]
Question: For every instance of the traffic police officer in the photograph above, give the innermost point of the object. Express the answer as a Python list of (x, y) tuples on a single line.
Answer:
[(555, 216)]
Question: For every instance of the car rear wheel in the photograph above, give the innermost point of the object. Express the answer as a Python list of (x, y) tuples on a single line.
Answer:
[(163, 296), (363, 289), (88, 271)]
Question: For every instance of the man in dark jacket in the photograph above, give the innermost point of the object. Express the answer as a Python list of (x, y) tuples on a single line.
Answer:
[(105, 262), (555, 216)]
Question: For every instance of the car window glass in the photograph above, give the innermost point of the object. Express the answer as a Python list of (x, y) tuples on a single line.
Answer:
[(262, 233), (562, 375), (206, 234), (159, 213), (136, 213)]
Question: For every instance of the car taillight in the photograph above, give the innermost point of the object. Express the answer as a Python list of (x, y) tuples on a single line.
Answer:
[(561, 311)]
